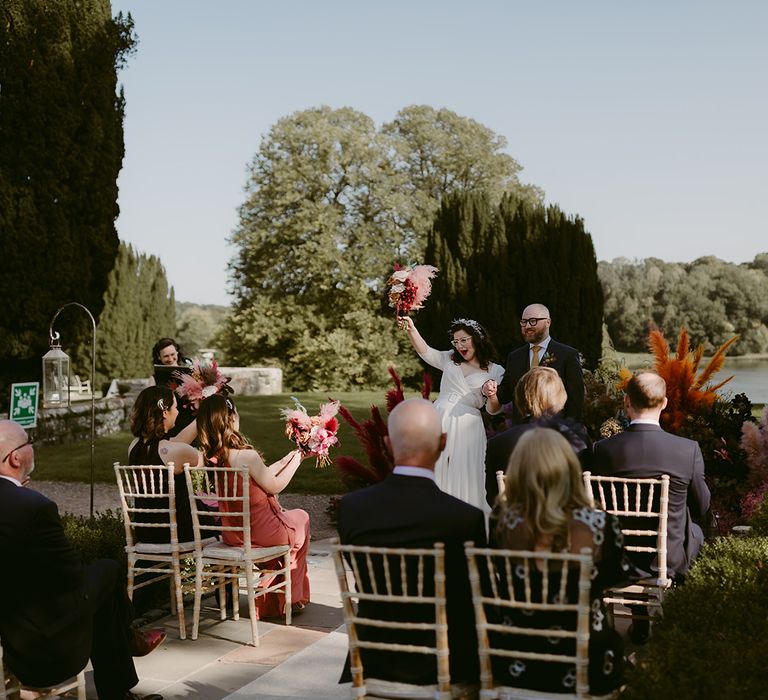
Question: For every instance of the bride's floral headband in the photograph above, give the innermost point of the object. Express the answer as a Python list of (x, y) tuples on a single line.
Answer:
[(469, 323)]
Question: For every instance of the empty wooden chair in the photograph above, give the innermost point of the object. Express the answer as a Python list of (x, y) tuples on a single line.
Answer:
[(412, 579), (491, 576), (10, 687), (642, 507), (219, 563)]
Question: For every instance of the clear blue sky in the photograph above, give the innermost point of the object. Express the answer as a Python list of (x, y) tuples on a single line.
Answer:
[(649, 120)]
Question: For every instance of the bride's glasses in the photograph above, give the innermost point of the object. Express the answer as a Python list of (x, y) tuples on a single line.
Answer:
[(461, 341)]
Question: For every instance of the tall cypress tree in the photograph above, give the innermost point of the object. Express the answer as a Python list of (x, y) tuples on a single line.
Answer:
[(494, 261), (61, 148)]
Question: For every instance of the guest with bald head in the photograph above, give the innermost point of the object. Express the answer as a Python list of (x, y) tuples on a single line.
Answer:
[(407, 509), (540, 349)]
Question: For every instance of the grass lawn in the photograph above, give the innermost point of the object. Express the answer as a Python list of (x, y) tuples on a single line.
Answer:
[(260, 420)]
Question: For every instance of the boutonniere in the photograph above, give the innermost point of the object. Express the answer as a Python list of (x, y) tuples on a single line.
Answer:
[(549, 359)]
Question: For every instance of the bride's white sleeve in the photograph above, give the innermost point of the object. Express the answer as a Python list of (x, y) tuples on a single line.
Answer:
[(436, 358)]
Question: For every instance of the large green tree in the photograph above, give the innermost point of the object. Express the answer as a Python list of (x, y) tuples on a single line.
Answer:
[(139, 308), (61, 148), (331, 202)]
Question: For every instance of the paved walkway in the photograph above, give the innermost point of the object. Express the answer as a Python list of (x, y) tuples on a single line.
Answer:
[(301, 661)]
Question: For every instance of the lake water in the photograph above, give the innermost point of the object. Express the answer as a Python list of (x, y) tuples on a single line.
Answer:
[(750, 377)]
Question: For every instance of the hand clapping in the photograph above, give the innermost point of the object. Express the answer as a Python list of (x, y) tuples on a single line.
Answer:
[(489, 389)]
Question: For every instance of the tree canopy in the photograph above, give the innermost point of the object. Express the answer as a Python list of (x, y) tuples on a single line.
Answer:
[(711, 298), (331, 202), (61, 148)]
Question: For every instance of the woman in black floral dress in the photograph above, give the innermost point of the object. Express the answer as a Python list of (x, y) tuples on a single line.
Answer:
[(546, 509)]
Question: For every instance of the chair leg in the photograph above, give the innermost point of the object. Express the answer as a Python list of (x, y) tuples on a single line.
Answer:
[(198, 597), (251, 603), (178, 595), (287, 582), (81, 686), (235, 593)]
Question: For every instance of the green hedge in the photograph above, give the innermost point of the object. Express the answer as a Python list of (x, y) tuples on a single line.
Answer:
[(712, 641), (99, 537)]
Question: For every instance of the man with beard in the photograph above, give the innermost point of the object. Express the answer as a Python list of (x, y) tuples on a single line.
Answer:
[(540, 350)]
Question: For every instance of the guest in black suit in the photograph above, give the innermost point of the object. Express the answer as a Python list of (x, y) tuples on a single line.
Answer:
[(645, 450), (56, 613), (540, 349), (407, 509), (540, 397)]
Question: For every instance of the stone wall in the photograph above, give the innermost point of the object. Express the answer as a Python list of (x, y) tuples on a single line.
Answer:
[(254, 381), (73, 424)]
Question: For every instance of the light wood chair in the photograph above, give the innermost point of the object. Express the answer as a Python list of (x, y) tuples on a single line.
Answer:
[(498, 566), (220, 563), (11, 687), (502, 485), (401, 576), (642, 508), (149, 562)]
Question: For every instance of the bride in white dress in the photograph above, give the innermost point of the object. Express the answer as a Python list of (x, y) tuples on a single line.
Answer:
[(460, 470)]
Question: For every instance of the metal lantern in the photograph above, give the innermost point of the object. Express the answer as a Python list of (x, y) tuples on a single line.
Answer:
[(55, 375)]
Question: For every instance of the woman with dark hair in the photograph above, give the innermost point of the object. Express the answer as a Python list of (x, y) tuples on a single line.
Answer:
[(546, 509), (460, 469), (223, 445), (168, 362), (153, 417)]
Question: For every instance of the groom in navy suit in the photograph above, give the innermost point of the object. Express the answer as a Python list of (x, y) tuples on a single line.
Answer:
[(540, 350), (407, 509)]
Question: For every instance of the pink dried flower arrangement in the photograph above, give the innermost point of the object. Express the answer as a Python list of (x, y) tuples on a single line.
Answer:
[(205, 380), (314, 435), (409, 287)]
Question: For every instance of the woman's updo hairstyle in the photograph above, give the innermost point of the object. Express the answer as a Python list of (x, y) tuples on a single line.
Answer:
[(147, 413)]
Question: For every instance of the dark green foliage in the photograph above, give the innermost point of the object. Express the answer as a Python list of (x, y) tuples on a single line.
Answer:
[(711, 642), (197, 325), (61, 148), (139, 308), (99, 537), (712, 298), (494, 261), (759, 520)]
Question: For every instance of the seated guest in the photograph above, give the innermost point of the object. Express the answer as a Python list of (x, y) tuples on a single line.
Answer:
[(546, 509), (539, 397), (55, 612), (407, 509), (645, 450), (223, 445), (154, 415)]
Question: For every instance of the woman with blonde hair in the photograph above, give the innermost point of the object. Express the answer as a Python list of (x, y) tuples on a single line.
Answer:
[(546, 509), (223, 445), (539, 397)]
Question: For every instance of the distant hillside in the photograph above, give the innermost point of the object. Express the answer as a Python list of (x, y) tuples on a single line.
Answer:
[(197, 326)]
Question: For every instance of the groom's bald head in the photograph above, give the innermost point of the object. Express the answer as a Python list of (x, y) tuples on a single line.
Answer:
[(415, 434)]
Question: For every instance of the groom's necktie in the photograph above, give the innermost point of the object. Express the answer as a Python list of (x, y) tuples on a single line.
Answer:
[(535, 359)]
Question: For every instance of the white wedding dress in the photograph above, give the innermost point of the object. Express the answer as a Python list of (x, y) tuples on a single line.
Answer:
[(460, 470)]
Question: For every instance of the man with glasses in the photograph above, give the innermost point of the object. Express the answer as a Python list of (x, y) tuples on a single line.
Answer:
[(55, 612), (540, 350)]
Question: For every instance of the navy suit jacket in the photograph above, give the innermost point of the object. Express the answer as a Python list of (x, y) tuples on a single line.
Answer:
[(560, 357), (44, 612), (645, 450), (411, 511)]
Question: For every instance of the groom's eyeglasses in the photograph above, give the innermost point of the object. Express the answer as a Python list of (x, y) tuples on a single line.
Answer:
[(460, 341), (531, 321), (29, 441)]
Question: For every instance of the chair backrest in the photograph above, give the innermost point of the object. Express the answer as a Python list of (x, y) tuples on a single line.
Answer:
[(642, 506), (404, 577), (148, 500), (507, 586), (228, 486)]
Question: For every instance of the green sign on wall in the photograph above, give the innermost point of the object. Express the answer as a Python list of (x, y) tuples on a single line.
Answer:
[(24, 399)]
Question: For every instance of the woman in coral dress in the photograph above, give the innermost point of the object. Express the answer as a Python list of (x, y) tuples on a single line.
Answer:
[(460, 470), (223, 445)]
